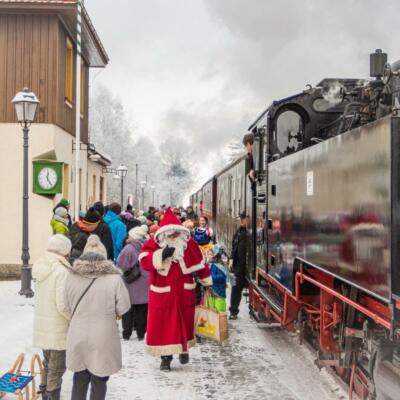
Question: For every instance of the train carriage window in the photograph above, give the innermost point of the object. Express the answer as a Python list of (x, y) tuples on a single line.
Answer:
[(289, 132)]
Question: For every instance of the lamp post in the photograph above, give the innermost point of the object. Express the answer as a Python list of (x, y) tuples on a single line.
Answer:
[(143, 186), (154, 192), (136, 187), (26, 104), (122, 171)]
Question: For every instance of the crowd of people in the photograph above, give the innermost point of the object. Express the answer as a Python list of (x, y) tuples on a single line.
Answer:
[(148, 269)]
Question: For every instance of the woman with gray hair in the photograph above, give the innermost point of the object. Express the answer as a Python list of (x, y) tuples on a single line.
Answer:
[(95, 296)]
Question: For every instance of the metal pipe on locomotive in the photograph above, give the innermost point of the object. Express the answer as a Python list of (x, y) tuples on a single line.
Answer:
[(326, 223)]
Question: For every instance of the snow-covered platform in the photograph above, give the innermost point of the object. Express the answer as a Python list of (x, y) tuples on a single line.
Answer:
[(254, 363)]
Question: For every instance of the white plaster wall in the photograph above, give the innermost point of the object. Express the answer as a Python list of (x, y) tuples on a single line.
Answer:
[(56, 144)]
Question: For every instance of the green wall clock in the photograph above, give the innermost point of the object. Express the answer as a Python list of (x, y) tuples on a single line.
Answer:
[(47, 177)]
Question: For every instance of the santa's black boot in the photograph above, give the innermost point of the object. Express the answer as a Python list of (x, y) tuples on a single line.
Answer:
[(165, 363), (184, 358)]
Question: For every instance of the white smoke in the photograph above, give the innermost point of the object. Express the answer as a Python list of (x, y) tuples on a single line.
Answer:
[(334, 93)]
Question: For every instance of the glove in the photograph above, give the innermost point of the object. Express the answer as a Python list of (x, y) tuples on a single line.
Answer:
[(167, 252), (230, 265)]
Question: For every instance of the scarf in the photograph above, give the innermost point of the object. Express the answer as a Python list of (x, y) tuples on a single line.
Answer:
[(88, 226), (61, 219)]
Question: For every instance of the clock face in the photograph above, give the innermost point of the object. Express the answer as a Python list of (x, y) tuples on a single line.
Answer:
[(47, 178)]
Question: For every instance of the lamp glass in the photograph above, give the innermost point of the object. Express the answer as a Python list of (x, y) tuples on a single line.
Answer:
[(116, 176), (122, 171), (26, 104)]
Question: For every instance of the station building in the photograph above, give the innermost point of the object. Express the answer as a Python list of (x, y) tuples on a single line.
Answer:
[(38, 51)]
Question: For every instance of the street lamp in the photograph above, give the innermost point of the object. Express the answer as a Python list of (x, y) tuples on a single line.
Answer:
[(143, 185), (26, 105), (154, 192), (122, 171)]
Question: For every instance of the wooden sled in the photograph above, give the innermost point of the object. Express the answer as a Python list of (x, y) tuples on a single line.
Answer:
[(21, 383)]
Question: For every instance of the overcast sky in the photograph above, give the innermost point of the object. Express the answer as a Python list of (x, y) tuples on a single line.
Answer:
[(205, 69)]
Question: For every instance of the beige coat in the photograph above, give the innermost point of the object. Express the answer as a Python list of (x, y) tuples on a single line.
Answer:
[(51, 316), (93, 341)]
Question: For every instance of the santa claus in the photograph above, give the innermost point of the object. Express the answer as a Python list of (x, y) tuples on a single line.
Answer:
[(172, 258)]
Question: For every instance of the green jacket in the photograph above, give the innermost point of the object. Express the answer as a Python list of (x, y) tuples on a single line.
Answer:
[(59, 227)]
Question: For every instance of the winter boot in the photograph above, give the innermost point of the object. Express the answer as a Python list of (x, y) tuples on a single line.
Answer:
[(184, 358), (54, 395), (165, 363), (42, 391)]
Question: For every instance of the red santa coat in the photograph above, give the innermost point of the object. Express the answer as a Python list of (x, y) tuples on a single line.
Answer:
[(172, 298)]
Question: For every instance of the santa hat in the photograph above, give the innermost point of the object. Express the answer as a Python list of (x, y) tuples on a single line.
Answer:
[(170, 222)]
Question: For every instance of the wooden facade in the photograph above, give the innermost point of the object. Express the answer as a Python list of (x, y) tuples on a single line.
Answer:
[(33, 54)]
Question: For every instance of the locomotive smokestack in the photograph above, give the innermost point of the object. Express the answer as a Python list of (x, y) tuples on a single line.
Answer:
[(377, 61)]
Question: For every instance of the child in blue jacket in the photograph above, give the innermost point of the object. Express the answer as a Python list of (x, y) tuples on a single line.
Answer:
[(219, 276)]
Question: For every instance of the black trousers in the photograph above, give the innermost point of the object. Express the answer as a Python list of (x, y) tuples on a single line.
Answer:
[(236, 294), (136, 318), (81, 381)]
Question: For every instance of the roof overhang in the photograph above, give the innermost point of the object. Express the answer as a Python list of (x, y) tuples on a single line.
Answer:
[(92, 49), (100, 157)]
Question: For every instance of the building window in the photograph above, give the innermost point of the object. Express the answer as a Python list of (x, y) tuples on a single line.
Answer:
[(69, 71), (83, 83), (94, 187), (66, 181), (101, 194)]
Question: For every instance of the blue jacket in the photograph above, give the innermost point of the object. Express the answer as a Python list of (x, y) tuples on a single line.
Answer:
[(118, 231), (219, 278)]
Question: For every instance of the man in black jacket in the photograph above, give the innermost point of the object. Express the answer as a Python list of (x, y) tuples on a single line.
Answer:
[(239, 264)]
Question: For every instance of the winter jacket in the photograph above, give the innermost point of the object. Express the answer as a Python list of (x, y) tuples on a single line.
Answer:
[(219, 278), (59, 227), (104, 233), (51, 316), (239, 250), (118, 231), (138, 290), (93, 341)]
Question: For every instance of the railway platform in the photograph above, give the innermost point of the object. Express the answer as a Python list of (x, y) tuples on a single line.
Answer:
[(256, 362)]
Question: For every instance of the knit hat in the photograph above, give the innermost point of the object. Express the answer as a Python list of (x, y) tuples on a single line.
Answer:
[(94, 245), (92, 216), (127, 215), (188, 224), (115, 208), (154, 228), (142, 219), (64, 202), (61, 212), (99, 207), (59, 244), (138, 233)]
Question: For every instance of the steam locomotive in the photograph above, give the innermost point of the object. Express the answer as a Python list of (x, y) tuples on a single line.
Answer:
[(325, 222)]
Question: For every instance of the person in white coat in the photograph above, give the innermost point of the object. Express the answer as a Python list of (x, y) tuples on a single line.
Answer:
[(51, 316), (95, 296)]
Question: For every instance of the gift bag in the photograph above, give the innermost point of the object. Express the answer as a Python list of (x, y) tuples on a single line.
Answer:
[(210, 323)]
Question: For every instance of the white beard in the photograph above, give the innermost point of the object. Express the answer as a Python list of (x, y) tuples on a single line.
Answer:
[(180, 245)]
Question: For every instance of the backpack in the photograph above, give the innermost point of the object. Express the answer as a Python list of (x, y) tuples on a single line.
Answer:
[(201, 236)]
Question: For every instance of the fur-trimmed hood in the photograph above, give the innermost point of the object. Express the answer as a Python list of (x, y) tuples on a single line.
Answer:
[(93, 265)]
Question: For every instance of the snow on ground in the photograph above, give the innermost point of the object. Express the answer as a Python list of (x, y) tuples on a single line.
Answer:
[(254, 363)]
